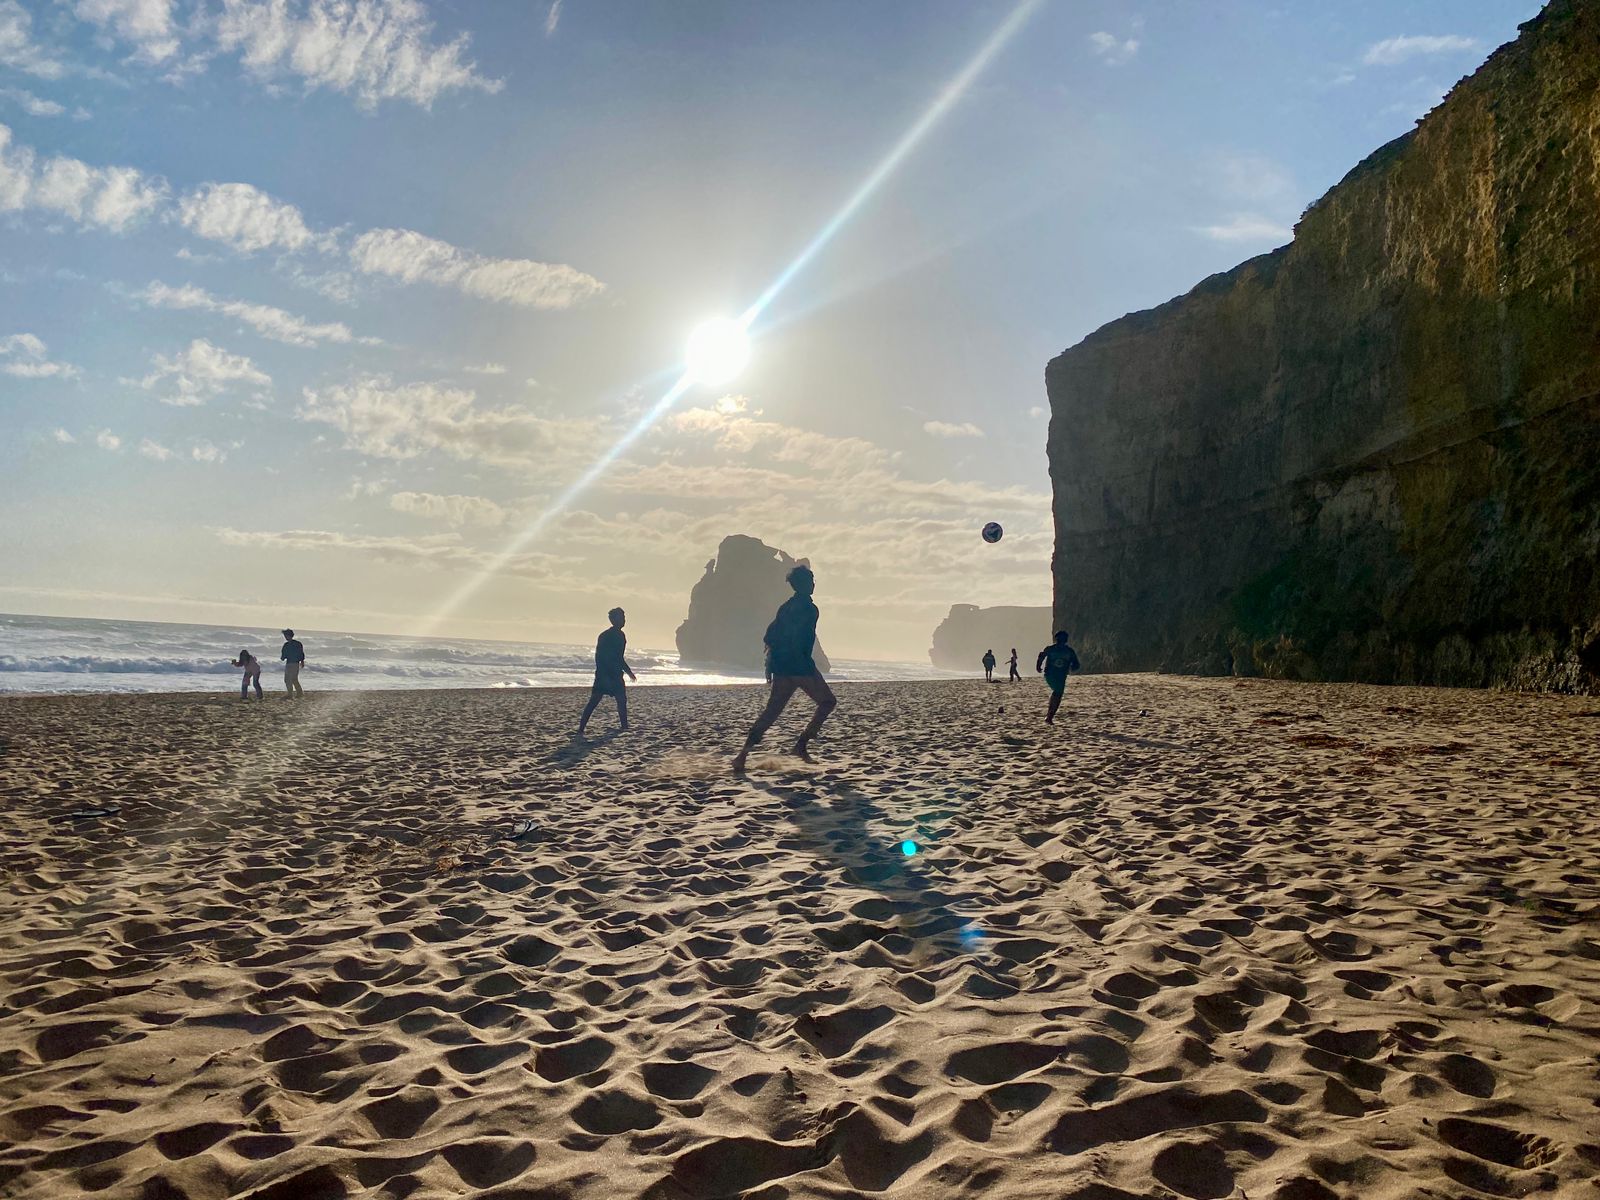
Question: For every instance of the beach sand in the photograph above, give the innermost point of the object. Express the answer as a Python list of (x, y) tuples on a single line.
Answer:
[(1205, 938)]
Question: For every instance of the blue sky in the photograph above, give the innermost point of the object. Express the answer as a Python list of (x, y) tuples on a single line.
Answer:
[(307, 309)]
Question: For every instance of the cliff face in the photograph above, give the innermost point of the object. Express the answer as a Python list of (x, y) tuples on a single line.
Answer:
[(1374, 453), (732, 605), (963, 636)]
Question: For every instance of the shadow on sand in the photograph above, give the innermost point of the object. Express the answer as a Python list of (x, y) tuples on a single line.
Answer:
[(912, 916)]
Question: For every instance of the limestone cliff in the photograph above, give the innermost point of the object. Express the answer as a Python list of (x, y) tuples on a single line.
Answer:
[(963, 636), (732, 605), (1373, 453)]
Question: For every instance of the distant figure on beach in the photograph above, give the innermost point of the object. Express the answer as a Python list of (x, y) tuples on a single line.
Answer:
[(1056, 660), (988, 665), (1016, 675), (294, 657), (609, 668), (252, 674), (790, 640)]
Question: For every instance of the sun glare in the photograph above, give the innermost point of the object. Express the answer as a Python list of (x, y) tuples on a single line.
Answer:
[(718, 350)]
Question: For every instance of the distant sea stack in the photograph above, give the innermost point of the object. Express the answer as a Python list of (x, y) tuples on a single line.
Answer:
[(732, 605), (1373, 454), (963, 636)]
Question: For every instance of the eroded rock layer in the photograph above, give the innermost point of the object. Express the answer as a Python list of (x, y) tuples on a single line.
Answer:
[(1373, 453)]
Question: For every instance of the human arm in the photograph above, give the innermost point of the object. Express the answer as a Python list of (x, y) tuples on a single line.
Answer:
[(629, 670), (1038, 664), (1074, 664)]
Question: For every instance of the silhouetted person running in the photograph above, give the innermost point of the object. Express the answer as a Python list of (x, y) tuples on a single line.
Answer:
[(1016, 675), (609, 668), (988, 665), (294, 657), (790, 640), (1056, 660)]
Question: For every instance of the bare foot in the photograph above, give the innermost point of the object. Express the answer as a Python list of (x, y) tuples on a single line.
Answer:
[(802, 753), (738, 763)]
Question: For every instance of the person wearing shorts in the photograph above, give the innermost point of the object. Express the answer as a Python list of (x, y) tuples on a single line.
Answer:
[(610, 665), (791, 666), (1056, 661)]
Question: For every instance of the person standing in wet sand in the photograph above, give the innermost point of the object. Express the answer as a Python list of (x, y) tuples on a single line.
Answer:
[(1056, 660), (791, 640), (293, 655), (610, 666)]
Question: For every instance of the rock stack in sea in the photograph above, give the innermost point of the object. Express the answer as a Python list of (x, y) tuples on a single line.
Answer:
[(1374, 453), (732, 605)]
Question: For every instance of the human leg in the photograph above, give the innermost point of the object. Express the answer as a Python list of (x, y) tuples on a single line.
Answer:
[(1055, 703), (595, 695), (817, 688), (244, 687), (622, 707), (783, 687)]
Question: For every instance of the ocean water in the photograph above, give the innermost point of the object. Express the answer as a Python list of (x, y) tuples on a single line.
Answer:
[(73, 654)]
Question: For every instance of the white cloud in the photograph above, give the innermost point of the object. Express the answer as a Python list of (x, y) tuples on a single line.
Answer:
[(1112, 50), (243, 217), (401, 421), (203, 451), (34, 106), (202, 372), (155, 450), (1395, 50), (1255, 179), (147, 24), (455, 510), (945, 429), (110, 198), (107, 440), (412, 257), (552, 18), (1038, 410), (1248, 227), (25, 356), (374, 50), (266, 320), (488, 368), (17, 48), (441, 551), (65, 438)]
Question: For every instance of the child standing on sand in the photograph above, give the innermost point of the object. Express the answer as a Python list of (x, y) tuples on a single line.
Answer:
[(251, 666), (791, 640)]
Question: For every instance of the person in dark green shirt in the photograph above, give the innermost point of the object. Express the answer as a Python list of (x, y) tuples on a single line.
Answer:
[(1056, 660), (609, 668), (791, 640)]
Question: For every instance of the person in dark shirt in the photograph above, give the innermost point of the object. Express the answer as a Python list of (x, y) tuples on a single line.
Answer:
[(1056, 660), (988, 666), (1016, 675), (609, 668), (293, 655), (791, 640)]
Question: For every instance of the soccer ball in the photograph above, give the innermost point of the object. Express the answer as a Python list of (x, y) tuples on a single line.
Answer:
[(992, 532)]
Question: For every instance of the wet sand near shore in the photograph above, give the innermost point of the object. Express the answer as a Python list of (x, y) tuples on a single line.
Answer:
[(1205, 938)]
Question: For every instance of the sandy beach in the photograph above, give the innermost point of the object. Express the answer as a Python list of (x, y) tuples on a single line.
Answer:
[(1205, 938)]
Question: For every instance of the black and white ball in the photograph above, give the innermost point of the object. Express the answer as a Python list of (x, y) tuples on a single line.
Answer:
[(992, 532)]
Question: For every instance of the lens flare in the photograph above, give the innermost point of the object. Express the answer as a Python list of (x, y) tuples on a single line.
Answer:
[(909, 848), (718, 350)]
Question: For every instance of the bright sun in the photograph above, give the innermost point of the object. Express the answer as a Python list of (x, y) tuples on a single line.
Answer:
[(718, 350)]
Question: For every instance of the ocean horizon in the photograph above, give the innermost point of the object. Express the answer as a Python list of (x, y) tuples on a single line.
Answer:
[(51, 655)]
